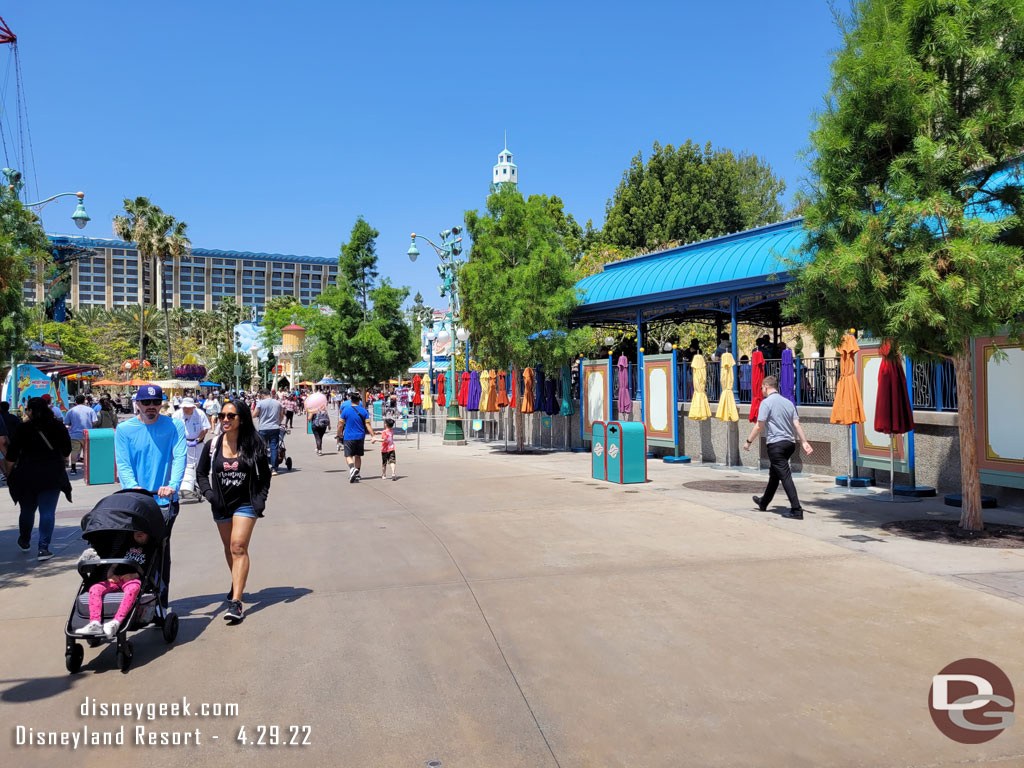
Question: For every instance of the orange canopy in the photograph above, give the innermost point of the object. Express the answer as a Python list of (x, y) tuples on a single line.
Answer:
[(848, 407), (108, 383), (137, 383)]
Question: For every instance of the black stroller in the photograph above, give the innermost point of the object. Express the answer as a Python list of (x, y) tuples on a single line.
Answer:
[(107, 528)]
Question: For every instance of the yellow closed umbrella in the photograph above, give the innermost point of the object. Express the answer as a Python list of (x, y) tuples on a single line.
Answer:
[(428, 402), (727, 402), (700, 408)]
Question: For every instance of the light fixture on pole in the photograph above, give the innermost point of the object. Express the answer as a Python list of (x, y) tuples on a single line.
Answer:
[(447, 252)]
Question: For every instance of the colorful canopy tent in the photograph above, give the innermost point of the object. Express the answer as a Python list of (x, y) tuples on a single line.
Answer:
[(108, 383), (137, 383), (700, 408)]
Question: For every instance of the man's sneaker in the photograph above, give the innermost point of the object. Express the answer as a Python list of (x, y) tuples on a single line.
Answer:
[(44, 554), (794, 514), (23, 544), (394, 477), (110, 628), (351, 474), (92, 628), (74, 471), (231, 591), (234, 612)]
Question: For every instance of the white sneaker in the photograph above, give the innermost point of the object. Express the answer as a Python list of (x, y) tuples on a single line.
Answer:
[(92, 628), (111, 627)]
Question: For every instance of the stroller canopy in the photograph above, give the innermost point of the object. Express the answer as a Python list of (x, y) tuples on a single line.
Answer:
[(129, 510)]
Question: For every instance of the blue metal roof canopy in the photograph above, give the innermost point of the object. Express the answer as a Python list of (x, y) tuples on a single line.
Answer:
[(698, 280)]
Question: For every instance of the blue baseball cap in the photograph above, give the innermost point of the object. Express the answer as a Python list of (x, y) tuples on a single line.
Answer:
[(149, 392)]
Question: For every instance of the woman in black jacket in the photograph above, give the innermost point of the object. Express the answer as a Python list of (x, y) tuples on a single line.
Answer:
[(38, 450), (233, 474)]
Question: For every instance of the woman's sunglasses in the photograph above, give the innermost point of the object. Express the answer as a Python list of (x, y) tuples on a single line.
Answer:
[(230, 416)]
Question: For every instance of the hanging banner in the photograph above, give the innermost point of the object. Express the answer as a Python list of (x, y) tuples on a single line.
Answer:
[(661, 414), (595, 394)]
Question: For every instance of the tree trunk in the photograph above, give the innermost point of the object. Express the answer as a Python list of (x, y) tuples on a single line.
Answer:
[(970, 482), (167, 318), (520, 431)]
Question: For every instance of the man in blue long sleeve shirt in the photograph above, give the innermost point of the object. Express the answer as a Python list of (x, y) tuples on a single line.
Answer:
[(150, 452)]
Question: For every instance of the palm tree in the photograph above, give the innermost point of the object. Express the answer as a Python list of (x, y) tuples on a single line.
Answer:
[(156, 235), (91, 316), (146, 319)]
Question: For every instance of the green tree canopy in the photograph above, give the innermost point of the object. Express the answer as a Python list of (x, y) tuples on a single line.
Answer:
[(358, 260), (687, 194), (23, 245), (912, 235)]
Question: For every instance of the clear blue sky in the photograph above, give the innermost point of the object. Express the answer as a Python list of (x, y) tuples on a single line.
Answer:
[(270, 126)]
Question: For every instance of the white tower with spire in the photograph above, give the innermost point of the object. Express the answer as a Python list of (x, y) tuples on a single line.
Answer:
[(505, 171)]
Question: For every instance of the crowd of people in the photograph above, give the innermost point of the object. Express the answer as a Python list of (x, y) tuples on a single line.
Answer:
[(221, 448)]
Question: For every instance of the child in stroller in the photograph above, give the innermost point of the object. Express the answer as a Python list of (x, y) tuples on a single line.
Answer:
[(120, 578), (128, 536)]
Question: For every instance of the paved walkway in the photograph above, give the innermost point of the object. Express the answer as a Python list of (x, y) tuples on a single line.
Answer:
[(497, 610)]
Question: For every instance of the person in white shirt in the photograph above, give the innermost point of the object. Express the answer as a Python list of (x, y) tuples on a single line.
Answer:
[(196, 427), (212, 407)]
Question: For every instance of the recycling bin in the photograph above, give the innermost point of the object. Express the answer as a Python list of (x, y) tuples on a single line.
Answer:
[(625, 452), (598, 468), (100, 466)]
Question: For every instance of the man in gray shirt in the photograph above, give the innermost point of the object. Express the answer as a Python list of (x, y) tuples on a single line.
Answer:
[(782, 427), (268, 423)]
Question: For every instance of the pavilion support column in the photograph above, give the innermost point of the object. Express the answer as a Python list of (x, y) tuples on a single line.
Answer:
[(734, 304), (639, 394)]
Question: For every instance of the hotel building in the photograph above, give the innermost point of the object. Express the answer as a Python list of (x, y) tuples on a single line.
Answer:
[(110, 274)]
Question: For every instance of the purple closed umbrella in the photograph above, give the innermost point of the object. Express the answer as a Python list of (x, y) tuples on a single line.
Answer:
[(788, 377), (625, 401)]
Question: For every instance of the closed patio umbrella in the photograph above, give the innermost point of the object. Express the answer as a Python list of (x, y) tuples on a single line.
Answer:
[(848, 407), (442, 396), (502, 389), (417, 390), (528, 400), (428, 401), (700, 408), (624, 399), (757, 371), (566, 409), (894, 414), (727, 402), (787, 376)]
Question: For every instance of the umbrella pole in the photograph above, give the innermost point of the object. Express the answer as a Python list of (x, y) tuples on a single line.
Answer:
[(849, 474), (892, 468)]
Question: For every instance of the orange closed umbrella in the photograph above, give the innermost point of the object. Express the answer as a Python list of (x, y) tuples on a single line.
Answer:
[(848, 407)]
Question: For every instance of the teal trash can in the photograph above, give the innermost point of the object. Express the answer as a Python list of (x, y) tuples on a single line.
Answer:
[(626, 452), (100, 464), (378, 410), (309, 424), (598, 467)]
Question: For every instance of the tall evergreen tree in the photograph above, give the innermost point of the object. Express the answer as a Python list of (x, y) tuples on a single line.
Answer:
[(914, 221), (358, 260)]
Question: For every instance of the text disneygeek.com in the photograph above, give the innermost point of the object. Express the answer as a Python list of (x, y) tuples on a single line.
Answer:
[(148, 735)]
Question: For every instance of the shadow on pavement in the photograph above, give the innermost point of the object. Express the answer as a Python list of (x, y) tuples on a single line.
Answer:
[(17, 567)]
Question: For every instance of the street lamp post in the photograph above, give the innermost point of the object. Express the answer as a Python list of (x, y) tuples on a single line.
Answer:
[(447, 251)]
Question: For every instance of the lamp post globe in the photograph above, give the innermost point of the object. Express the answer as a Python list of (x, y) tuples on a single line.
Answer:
[(443, 336), (462, 334), (413, 251), (431, 335), (609, 341)]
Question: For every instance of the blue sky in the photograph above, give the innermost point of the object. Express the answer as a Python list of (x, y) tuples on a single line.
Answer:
[(270, 126)]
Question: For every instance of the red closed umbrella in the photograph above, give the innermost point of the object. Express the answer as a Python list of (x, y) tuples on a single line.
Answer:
[(440, 390), (417, 390), (894, 414), (757, 368)]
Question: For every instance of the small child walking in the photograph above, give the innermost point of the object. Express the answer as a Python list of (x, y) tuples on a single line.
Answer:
[(120, 578), (387, 449)]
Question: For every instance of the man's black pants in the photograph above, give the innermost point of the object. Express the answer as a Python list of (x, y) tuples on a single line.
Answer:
[(779, 454)]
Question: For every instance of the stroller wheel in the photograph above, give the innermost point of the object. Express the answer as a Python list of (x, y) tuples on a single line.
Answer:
[(288, 463), (73, 657), (124, 656), (170, 627)]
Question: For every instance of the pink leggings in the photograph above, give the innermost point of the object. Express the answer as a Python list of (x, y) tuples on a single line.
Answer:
[(131, 589)]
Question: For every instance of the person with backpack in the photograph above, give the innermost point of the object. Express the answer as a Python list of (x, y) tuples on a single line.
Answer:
[(320, 424)]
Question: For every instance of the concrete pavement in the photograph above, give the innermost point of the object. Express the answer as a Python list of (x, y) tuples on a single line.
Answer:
[(500, 610)]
